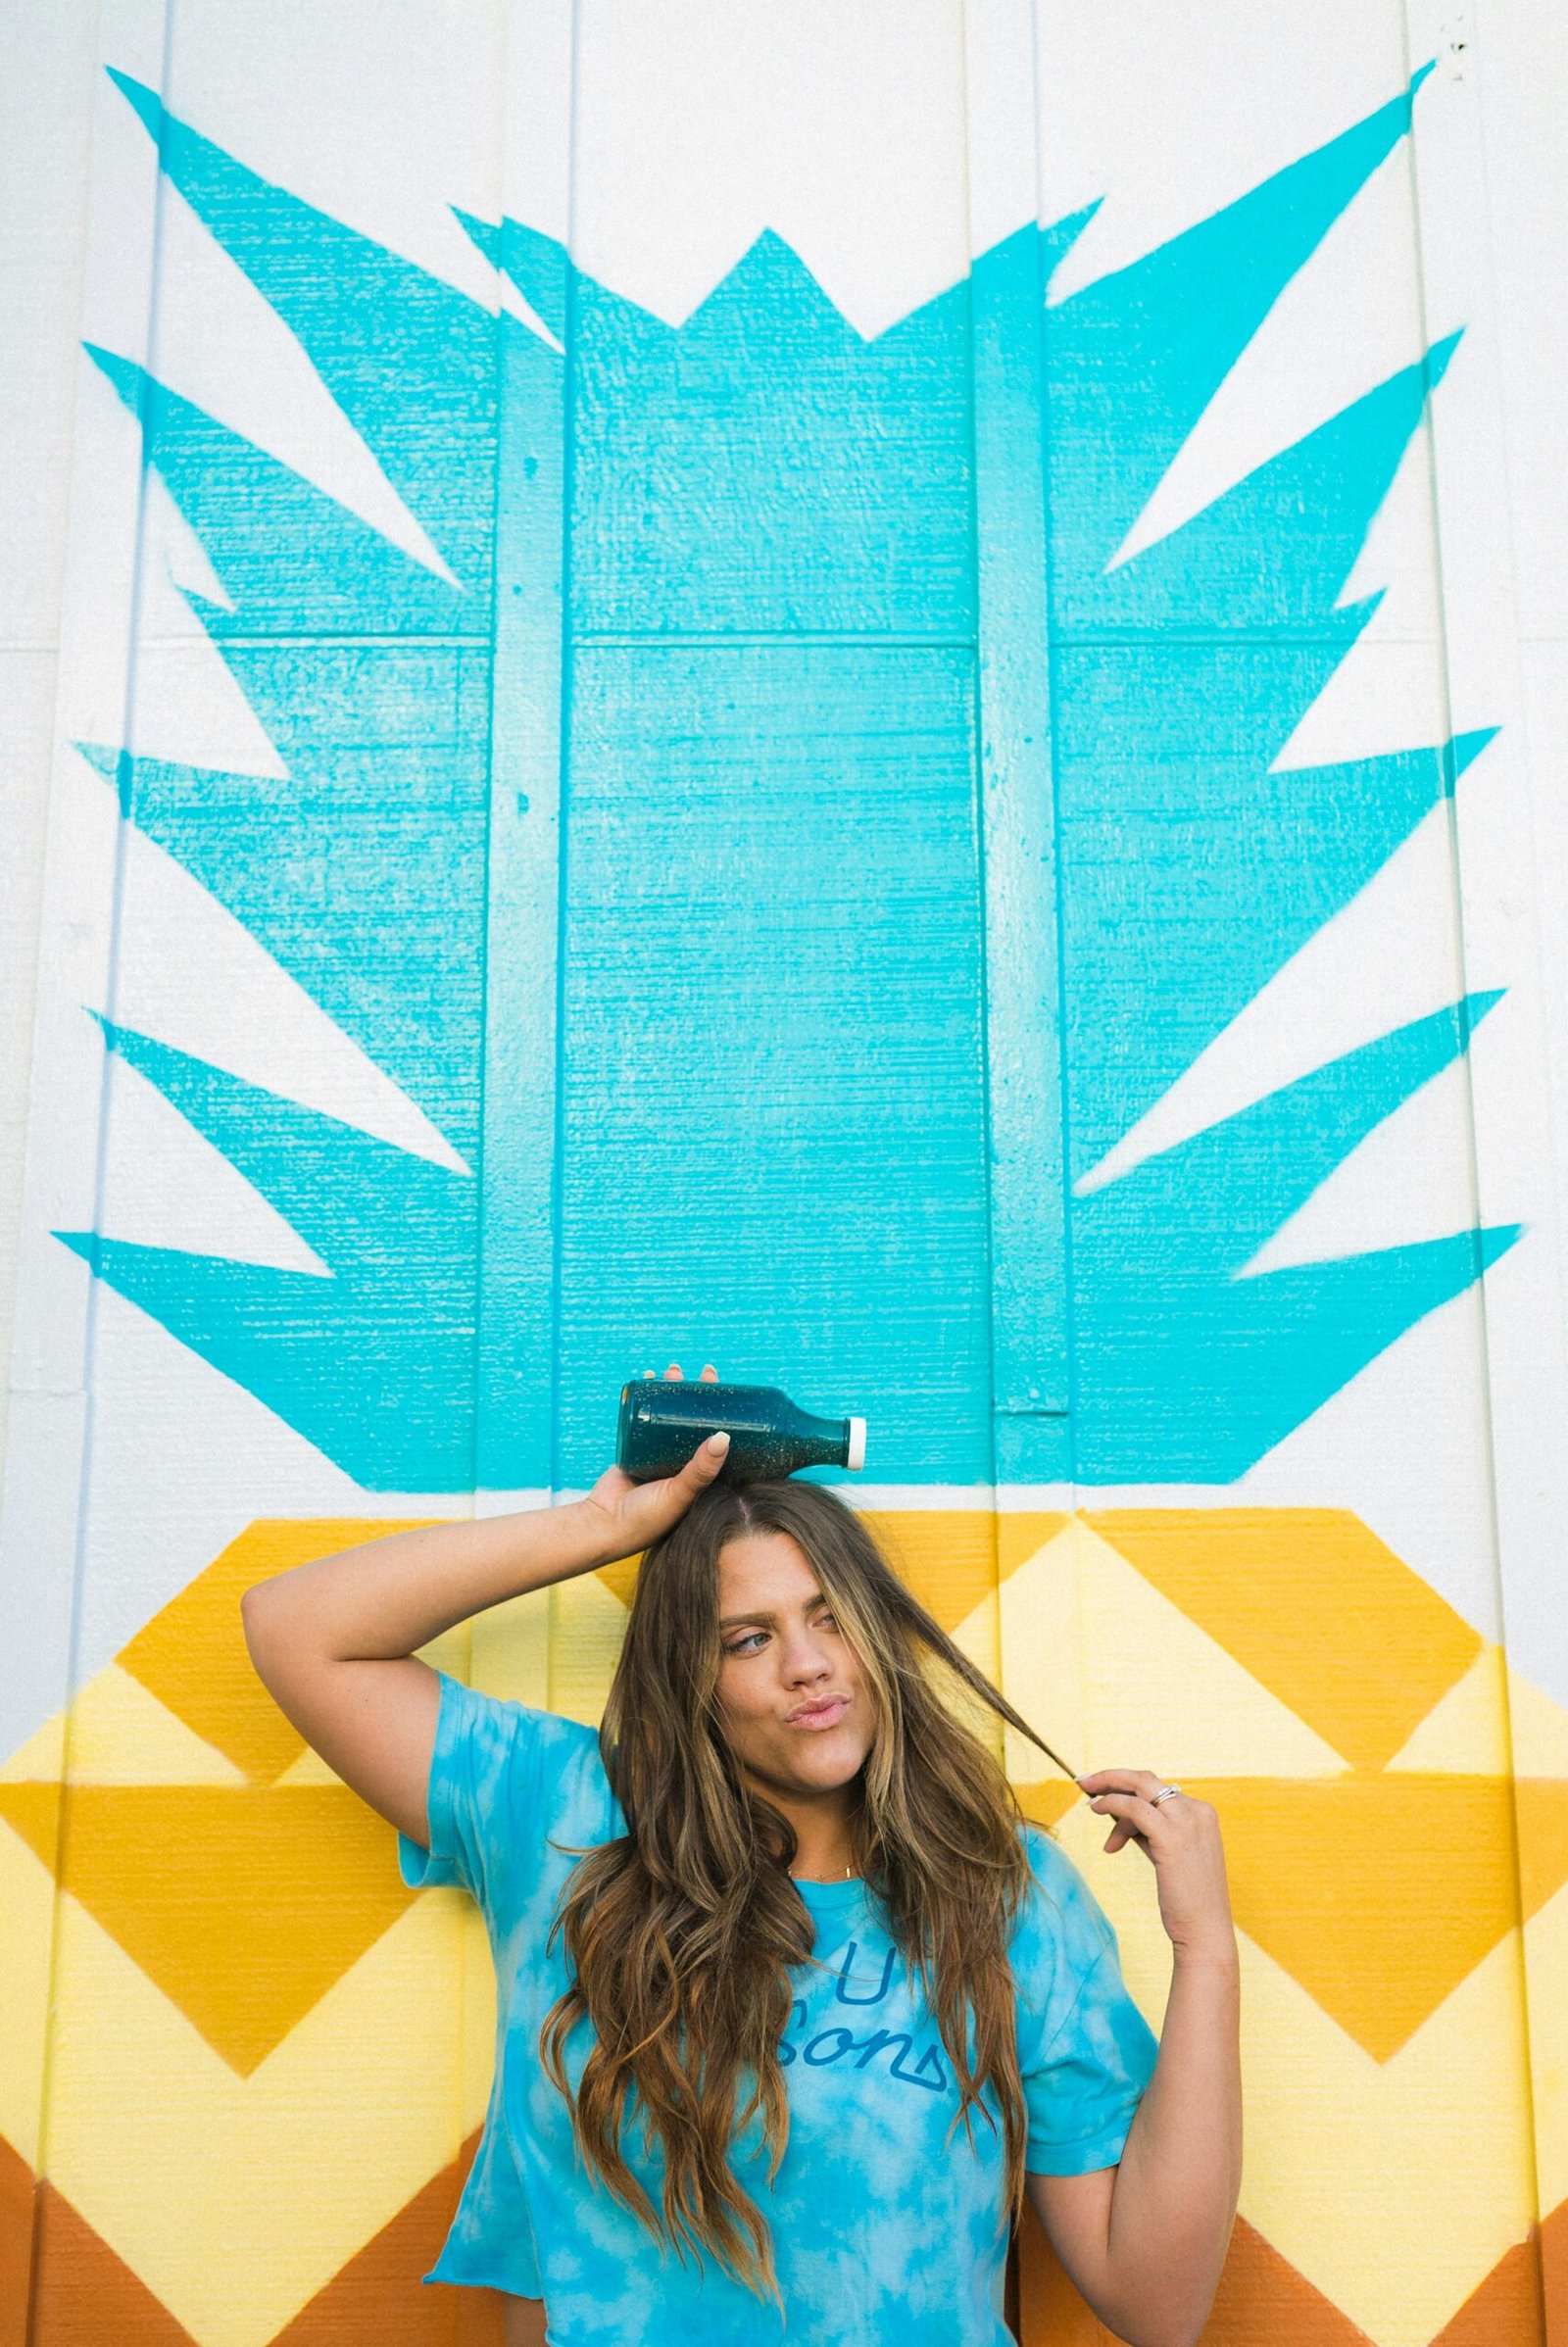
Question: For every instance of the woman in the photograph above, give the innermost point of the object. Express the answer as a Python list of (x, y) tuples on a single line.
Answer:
[(792, 2010)]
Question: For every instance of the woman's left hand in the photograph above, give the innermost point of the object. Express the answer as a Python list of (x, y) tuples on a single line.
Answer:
[(1181, 1836)]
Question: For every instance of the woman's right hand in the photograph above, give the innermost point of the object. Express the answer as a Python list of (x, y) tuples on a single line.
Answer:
[(635, 1515)]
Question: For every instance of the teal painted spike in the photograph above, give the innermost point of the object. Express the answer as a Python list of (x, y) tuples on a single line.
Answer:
[(1280, 853), (332, 1364), (331, 1355), (419, 385), (361, 872), (1027, 258), (1190, 1371), (287, 555), (1462, 753), (537, 265), (1194, 663), (1224, 1379), (1313, 1125), (1056, 240), (1319, 496), (1137, 355), (486, 235), (765, 468), (333, 1183)]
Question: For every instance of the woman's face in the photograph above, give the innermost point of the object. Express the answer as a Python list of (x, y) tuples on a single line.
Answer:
[(796, 1704)]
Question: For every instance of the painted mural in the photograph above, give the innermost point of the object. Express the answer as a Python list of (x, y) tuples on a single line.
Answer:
[(783, 833), (765, 477)]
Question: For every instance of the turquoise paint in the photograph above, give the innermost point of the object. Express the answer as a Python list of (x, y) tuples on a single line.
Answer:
[(1225, 1366), (761, 467), (535, 263), (1136, 356), (1029, 1318), (742, 1084), (385, 1304), (774, 1093), (516, 1303), (410, 363)]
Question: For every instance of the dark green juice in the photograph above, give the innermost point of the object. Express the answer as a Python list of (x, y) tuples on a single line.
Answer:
[(663, 1419)]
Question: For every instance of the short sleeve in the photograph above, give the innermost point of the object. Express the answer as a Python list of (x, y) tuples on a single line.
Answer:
[(498, 1776), (1085, 2051), (491, 2243)]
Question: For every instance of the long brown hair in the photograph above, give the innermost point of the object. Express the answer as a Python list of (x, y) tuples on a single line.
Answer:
[(680, 1935)]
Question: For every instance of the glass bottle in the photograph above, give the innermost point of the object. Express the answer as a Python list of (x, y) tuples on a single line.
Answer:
[(663, 1419)]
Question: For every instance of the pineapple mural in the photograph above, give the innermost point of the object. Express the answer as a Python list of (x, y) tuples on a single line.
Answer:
[(781, 835)]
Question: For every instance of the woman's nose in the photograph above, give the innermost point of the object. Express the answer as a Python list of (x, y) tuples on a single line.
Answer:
[(804, 1658)]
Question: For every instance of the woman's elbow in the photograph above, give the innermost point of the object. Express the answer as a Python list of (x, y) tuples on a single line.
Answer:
[(1165, 2332), (262, 1611), (1172, 2325)]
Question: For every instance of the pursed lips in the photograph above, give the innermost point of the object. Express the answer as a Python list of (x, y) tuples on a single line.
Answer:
[(823, 1711)]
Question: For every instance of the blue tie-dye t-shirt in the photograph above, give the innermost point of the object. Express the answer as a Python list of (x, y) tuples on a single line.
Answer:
[(887, 2225)]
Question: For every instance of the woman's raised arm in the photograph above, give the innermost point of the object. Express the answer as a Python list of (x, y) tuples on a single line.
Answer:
[(334, 1641), (1145, 2241)]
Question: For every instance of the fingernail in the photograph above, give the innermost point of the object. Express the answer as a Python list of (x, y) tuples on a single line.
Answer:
[(717, 1442)]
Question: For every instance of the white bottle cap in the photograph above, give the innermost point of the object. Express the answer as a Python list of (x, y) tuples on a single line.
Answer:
[(856, 1459)]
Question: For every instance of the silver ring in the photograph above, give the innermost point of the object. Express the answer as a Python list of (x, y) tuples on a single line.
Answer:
[(1166, 1792)]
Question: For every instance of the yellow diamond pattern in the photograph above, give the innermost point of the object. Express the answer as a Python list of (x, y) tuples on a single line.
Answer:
[(258, 2040)]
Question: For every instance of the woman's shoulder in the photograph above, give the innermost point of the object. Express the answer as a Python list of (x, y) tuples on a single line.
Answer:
[(504, 1721), (1065, 1961), (506, 1781), (1059, 1912), (530, 1724), (1049, 1863), (511, 1751)]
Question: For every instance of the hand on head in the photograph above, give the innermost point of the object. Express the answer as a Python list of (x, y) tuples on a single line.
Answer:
[(637, 1514)]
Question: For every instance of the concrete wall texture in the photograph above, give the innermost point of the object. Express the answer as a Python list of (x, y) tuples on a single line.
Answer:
[(872, 692)]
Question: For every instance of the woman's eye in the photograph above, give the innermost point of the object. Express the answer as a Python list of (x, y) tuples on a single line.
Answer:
[(746, 1645)]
